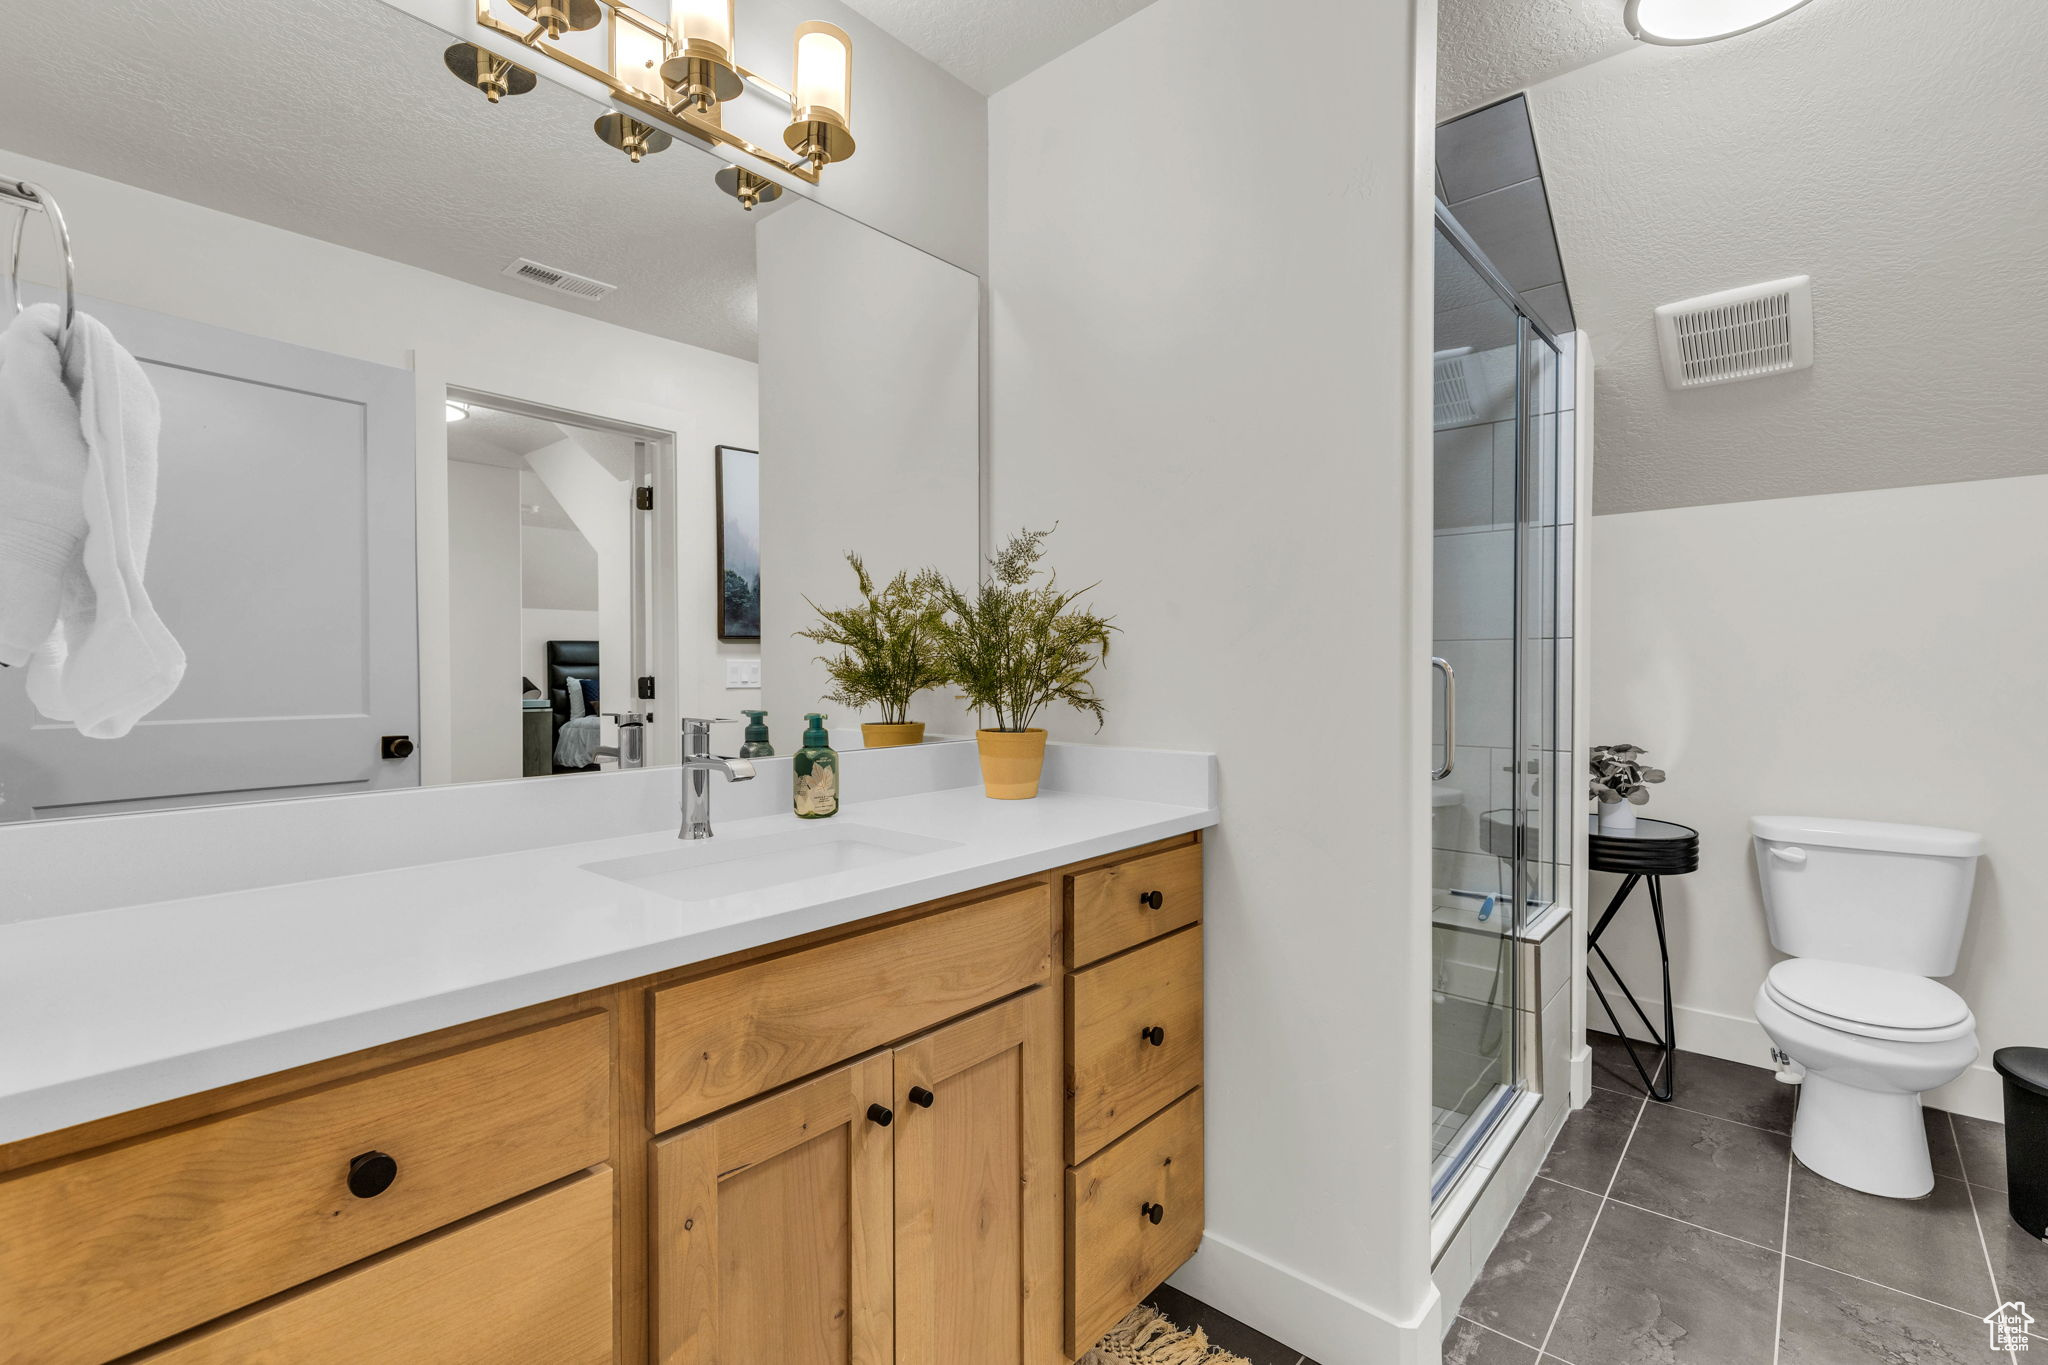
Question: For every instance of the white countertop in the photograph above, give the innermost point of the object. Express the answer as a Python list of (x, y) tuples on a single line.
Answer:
[(111, 1009)]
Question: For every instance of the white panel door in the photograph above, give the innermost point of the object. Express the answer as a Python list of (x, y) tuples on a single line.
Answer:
[(282, 559)]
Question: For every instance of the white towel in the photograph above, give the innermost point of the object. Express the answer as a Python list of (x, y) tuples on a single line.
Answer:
[(78, 435)]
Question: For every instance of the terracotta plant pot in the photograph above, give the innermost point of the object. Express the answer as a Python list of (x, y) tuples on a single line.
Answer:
[(876, 735), (1011, 761)]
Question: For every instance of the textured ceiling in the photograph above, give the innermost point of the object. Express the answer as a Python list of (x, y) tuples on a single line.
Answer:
[(989, 43), (1896, 151), (336, 119), (1488, 49)]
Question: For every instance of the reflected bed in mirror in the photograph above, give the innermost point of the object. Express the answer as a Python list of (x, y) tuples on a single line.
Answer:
[(443, 384)]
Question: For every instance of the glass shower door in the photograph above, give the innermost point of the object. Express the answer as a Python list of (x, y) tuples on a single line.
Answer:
[(1479, 805)]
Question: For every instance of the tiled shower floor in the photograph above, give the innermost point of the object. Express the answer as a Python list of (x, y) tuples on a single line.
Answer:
[(1685, 1234)]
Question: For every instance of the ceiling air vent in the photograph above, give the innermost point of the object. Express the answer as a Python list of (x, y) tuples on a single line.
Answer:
[(1747, 333), (1454, 406), (561, 281)]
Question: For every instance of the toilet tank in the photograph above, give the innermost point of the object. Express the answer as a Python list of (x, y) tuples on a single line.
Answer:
[(1892, 896)]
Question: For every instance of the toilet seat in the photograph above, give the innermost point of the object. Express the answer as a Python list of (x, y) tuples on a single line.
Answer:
[(1870, 1002)]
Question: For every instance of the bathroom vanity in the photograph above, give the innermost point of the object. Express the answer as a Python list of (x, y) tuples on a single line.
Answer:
[(965, 1126)]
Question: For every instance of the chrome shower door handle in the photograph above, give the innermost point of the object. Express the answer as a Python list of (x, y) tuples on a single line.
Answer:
[(1443, 666)]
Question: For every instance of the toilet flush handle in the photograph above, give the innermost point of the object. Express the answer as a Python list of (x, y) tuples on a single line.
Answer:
[(1794, 856)]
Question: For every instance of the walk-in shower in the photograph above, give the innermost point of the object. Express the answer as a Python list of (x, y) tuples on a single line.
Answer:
[(1502, 631)]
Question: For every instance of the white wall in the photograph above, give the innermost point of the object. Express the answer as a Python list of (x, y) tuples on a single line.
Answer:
[(557, 570), (177, 258), (1874, 655), (483, 620), (1208, 329), (870, 435), (599, 505)]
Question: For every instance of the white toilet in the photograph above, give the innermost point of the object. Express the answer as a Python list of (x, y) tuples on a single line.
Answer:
[(1869, 912)]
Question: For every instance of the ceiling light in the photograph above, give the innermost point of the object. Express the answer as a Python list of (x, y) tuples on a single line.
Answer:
[(457, 411), (1680, 23)]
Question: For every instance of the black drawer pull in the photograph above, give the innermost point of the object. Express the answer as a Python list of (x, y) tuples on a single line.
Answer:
[(1154, 1035), (921, 1097), (881, 1115), (1151, 899), (370, 1174), (1153, 1212)]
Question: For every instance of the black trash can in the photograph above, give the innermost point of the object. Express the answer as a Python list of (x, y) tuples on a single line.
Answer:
[(2026, 1134)]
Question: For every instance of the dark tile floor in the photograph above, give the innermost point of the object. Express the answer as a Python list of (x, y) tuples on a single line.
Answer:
[(1222, 1329), (1685, 1234)]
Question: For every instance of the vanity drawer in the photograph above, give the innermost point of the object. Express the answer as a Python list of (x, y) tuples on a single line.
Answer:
[(532, 1281), (1111, 908), (113, 1251), (1116, 1253), (1117, 1075), (721, 1039)]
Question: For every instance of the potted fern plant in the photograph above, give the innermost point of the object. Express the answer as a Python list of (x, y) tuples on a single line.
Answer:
[(889, 651), (1014, 646)]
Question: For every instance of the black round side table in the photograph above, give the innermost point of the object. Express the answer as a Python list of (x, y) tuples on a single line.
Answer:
[(1652, 851)]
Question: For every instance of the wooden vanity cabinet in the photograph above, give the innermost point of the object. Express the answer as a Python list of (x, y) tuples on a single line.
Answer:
[(904, 1207), (964, 1133)]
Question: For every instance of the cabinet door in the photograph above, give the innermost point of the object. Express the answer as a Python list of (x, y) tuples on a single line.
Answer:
[(772, 1229), (977, 1189)]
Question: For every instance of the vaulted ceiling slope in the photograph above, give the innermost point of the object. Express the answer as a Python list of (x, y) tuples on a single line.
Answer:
[(1897, 152), (987, 44), (1489, 49), (336, 120)]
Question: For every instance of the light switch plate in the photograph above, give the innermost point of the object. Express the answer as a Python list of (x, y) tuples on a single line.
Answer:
[(742, 673)]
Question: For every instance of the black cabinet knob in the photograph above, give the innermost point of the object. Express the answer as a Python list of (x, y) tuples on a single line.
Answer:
[(1154, 1035), (1153, 1212), (1151, 899), (370, 1174), (881, 1115), (396, 746), (921, 1097)]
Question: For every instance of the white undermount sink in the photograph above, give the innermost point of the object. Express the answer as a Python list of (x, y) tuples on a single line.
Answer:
[(709, 869)]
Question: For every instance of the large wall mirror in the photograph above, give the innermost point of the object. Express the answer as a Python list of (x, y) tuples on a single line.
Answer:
[(477, 435)]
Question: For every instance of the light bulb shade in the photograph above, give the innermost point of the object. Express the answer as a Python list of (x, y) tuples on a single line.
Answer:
[(821, 95), (703, 27), (823, 84), (637, 55), (1680, 23)]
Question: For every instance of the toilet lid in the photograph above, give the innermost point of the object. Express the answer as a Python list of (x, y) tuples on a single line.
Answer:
[(1868, 1000)]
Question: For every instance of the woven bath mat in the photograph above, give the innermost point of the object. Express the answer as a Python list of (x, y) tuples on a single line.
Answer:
[(1145, 1338)]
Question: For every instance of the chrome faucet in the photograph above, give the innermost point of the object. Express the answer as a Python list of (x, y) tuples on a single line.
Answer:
[(698, 765)]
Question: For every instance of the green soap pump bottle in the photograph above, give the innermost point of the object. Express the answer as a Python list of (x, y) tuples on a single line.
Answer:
[(757, 745), (816, 770)]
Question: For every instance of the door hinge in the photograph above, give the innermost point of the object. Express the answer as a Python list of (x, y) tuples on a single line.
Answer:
[(643, 498), (647, 689)]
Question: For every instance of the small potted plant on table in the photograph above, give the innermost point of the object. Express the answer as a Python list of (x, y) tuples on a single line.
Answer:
[(1014, 647), (1620, 783), (889, 651)]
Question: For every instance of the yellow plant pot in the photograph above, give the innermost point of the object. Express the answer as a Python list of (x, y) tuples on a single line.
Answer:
[(1011, 761), (878, 736)]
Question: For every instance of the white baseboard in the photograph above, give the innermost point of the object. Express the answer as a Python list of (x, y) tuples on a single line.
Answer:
[(1978, 1092), (1582, 1075), (1327, 1324)]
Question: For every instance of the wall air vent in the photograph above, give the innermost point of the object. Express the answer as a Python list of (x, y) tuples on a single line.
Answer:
[(1747, 333), (1454, 406), (560, 281)]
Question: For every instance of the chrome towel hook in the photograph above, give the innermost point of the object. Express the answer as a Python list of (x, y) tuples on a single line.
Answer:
[(28, 197)]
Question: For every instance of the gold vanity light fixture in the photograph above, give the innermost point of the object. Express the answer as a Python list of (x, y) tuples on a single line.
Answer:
[(675, 77), (750, 189), (631, 136), (487, 71), (701, 74)]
